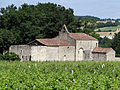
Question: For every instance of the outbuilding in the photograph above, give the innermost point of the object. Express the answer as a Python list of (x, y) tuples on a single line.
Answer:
[(103, 54)]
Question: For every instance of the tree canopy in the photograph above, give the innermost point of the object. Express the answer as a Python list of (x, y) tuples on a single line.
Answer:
[(116, 43), (105, 42)]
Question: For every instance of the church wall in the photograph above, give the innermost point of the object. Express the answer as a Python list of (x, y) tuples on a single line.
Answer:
[(65, 35), (24, 51), (67, 53), (44, 53), (86, 54), (87, 46), (52, 54), (38, 53), (111, 55), (99, 56)]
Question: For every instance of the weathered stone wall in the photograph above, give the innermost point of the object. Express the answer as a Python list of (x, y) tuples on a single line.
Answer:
[(111, 56), (38, 53), (52, 54), (67, 53), (24, 51), (44, 53), (87, 46), (86, 54), (61, 53), (65, 35), (99, 56)]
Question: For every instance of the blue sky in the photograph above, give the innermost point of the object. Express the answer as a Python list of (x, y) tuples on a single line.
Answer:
[(99, 8)]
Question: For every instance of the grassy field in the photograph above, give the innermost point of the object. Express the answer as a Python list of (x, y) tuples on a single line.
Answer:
[(84, 75), (105, 33), (108, 28)]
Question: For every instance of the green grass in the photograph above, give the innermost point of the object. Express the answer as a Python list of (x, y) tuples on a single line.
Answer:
[(108, 28), (89, 75)]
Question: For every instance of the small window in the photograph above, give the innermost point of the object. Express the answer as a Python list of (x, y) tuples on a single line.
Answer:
[(67, 47), (96, 44), (64, 58), (30, 58), (21, 51)]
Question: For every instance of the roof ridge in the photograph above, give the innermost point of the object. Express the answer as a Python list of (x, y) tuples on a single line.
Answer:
[(55, 42), (81, 36), (101, 50)]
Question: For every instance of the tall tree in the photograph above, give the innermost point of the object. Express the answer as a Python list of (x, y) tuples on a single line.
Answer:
[(6, 39), (116, 43), (29, 21), (105, 42)]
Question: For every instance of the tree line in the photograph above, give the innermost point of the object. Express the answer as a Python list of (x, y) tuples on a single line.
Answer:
[(108, 24), (111, 43)]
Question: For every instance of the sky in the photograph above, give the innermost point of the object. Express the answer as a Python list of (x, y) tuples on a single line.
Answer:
[(98, 8)]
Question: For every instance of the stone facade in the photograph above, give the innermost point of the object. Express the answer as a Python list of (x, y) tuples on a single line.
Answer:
[(111, 55), (66, 53), (85, 47), (44, 53), (65, 47), (99, 57), (103, 54), (24, 51)]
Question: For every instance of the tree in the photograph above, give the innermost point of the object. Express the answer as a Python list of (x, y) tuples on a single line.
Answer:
[(29, 22), (6, 39), (116, 43), (86, 25), (105, 42)]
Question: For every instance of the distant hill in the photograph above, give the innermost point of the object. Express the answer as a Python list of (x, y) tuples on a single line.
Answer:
[(91, 17), (97, 18)]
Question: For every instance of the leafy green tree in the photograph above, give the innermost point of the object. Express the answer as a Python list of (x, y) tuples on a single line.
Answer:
[(116, 43), (6, 39), (105, 42), (86, 25), (29, 22)]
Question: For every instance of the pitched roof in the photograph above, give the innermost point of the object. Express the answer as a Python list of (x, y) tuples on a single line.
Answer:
[(101, 50), (81, 36), (54, 42)]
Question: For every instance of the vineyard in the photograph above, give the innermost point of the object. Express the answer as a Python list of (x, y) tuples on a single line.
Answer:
[(89, 75)]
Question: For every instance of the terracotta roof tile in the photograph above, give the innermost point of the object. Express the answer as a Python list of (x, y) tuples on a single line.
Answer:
[(54, 42), (101, 50), (81, 36)]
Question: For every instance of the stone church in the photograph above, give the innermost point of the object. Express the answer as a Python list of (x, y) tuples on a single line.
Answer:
[(65, 47)]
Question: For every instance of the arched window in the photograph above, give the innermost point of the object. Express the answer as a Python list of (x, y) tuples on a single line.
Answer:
[(80, 54), (21, 52)]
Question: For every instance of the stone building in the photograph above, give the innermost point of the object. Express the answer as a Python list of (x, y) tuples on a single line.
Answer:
[(65, 47), (103, 54)]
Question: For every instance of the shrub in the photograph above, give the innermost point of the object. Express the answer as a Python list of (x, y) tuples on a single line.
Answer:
[(11, 56), (1, 57), (117, 55)]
